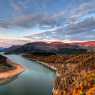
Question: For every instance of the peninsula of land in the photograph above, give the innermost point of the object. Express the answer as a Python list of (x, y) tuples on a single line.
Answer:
[(8, 69)]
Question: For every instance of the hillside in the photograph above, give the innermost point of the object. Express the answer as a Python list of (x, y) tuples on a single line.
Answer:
[(47, 48), (75, 73), (88, 43)]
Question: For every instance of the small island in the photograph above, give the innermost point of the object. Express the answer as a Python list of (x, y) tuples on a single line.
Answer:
[(8, 69)]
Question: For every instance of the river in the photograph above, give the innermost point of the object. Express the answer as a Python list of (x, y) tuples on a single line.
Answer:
[(35, 80)]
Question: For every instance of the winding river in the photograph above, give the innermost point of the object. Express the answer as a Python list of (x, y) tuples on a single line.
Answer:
[(35, 80)]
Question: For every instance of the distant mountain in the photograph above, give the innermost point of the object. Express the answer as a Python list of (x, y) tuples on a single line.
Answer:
[(2, 49), (39, 47), (87, 43), (47, 48), (12, 48)]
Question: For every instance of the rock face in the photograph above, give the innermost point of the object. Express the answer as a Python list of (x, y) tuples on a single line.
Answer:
[(47, 48)]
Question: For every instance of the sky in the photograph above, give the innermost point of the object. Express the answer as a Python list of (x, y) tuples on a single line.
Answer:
[(47, 19)]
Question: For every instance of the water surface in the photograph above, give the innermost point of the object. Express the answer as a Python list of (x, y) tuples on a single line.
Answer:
[(35, 80)]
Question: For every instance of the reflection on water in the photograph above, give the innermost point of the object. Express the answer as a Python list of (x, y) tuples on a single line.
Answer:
[(35, 80), (6, 81)]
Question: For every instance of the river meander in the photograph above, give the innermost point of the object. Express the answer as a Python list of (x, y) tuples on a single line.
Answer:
[(35, 80)]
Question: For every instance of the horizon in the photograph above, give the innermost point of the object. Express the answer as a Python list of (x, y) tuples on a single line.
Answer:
[(6, 43)]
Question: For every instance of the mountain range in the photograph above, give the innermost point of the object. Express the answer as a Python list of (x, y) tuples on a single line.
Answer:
[(87, 43), (47, 48)]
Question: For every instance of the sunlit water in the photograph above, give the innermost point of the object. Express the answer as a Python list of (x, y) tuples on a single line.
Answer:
[(35, 80)]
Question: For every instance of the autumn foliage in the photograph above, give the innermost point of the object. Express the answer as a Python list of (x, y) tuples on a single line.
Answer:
[(76, 73)]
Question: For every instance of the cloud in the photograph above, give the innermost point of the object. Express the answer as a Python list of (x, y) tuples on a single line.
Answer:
[(84, 26), (83, 30), (17, 7), (3, 24), (57, 18), (74, 20), (57, 15), (27, 21), (83, 9)]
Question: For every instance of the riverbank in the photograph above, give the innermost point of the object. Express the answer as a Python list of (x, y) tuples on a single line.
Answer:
[(52, 68), (73, 72), (17, 69), (35, 80), (45, 64)]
